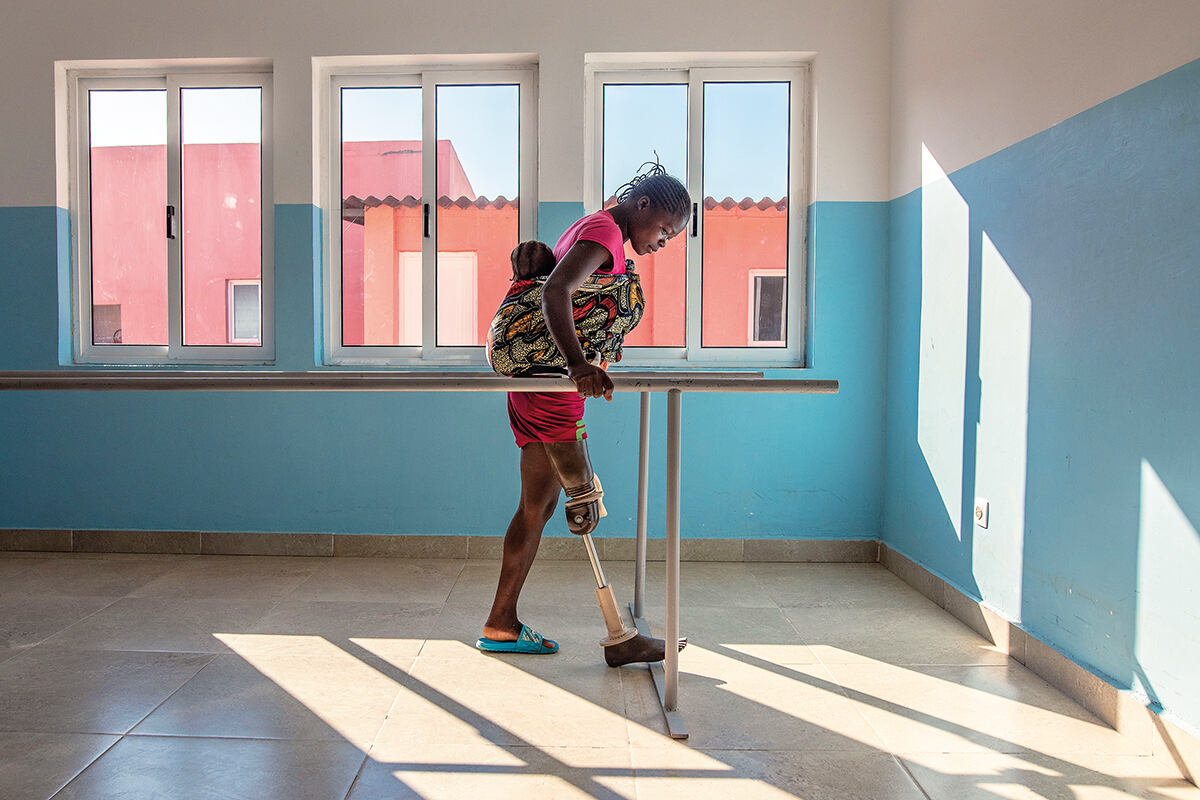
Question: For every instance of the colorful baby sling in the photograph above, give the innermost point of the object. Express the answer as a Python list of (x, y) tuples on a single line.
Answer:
[(606, 307)]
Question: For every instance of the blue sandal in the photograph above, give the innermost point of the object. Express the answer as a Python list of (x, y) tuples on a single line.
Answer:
[(530, 641)]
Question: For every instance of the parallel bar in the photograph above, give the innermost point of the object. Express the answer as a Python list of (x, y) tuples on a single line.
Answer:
[(671, 635), (643, 504), (392, 382)]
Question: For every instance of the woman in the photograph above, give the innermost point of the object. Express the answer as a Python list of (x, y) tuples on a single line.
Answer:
[(652, 209)]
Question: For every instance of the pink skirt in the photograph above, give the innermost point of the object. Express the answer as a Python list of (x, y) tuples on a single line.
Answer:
[(546, 417)]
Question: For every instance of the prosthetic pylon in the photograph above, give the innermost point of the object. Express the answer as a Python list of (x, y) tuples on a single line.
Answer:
[(584, 508)]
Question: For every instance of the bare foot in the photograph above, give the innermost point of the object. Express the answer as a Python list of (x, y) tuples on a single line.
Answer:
[(501, 634), (638, 649), (506, 634)]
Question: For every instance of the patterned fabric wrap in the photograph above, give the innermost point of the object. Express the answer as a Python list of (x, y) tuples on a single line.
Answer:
[(605, 307)]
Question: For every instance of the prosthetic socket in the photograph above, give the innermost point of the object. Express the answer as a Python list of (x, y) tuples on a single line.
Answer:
[(584, 509)]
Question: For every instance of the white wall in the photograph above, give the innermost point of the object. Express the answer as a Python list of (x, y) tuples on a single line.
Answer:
[(850, 37), (971, 77)]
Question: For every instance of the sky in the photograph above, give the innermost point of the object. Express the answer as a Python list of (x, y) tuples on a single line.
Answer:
[(744, 140), (210, 116), (744, 137), (481, 121)]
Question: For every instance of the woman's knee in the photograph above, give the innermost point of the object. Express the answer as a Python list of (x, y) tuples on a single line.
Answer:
[(538, 512)]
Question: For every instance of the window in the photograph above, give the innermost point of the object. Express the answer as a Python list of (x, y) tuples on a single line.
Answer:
[(106, 324), (244, 312), (431, 183), (768, 306), (169, 174), (731, 291)]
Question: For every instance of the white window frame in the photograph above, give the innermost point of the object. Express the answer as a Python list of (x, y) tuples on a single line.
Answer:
[(695, 71), (76, 79), (230, 309), (331, 76)]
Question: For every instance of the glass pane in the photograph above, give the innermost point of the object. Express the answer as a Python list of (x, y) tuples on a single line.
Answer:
[(245, 312), (382, 225), (640, 120), (745, 207), (127, 139), (478, 179), (769, 309), (221, 137)]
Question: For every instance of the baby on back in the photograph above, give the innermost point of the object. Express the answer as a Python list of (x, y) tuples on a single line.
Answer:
[(531, 260)]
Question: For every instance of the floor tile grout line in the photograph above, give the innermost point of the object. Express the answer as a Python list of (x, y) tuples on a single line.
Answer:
[(401, 685), (190, 678), (129, 730), (766, 591), (76, 622), (457, 577), (121, 737), (803, 640), (841, 688), (358, 773), (900, 762), (115, 600), (87, 766)]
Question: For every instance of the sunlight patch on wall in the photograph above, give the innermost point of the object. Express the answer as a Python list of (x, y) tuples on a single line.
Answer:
[(945, 258), (1005, 337), (1168, 622)]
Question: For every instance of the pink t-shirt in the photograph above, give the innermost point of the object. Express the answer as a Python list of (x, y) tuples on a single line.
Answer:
[(600, 228)]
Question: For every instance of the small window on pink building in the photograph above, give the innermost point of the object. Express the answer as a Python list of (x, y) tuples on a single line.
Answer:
[(106, 324), (244, 312), (768, 307)]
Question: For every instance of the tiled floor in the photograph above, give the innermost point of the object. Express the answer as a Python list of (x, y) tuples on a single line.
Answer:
[(180, 677)]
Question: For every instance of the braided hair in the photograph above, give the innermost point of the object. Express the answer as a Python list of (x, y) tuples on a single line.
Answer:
[(663, 190)]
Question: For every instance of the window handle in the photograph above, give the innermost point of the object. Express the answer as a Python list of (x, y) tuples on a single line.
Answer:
[(170, 222), (427, 220), (695, 219)]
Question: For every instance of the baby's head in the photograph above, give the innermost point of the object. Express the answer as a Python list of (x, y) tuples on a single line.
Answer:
[(531, 260)]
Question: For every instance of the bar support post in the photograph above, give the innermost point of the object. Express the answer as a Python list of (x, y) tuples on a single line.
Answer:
[(639, 569), (671, 635)]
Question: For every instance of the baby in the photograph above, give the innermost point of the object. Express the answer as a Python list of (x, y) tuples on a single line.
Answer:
[(531, 260)]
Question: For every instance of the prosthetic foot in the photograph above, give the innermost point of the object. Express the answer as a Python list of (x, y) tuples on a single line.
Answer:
[(584, 509)]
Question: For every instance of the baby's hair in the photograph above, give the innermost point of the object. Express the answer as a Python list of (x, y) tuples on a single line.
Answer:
[(531, 260), (662, 189)]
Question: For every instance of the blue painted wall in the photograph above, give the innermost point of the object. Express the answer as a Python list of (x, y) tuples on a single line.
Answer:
[(757, 466), (1082, 247)]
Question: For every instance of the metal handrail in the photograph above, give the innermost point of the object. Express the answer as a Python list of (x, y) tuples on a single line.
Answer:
[(200, 380)]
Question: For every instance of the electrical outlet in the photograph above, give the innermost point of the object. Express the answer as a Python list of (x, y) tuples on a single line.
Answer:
[(981, 512)]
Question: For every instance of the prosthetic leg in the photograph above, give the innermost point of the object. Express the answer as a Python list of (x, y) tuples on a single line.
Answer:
[(584, 509)]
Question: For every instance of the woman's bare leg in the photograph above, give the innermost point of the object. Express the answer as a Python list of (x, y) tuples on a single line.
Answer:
[(539, 494)]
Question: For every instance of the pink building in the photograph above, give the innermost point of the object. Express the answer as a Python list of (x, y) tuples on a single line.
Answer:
[(221, 235)]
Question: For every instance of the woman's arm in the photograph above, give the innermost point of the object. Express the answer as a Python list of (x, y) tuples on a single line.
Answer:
[(581, 260)]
